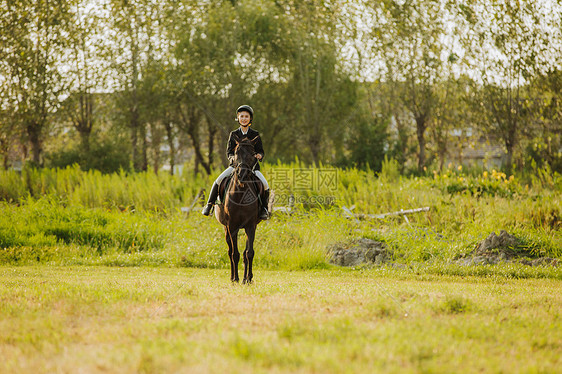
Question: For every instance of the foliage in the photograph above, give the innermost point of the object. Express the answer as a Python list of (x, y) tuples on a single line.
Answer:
[(490, 184), (33, 50), (167, 76), (367, 142), (104, 156), (518, 33)]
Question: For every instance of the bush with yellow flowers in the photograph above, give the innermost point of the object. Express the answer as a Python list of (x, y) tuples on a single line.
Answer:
[(494, 183)]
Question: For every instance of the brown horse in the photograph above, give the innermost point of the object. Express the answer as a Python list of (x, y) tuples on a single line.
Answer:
[(240, 208)]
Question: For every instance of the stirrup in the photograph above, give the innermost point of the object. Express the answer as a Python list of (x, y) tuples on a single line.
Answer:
[(207, 209), (264, 214)]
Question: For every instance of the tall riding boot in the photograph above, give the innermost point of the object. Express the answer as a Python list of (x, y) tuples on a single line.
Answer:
[(212, 198), (264, 214)]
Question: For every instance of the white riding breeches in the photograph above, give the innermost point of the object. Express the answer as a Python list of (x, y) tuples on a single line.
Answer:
[(224, 174), (229, 170), (262, 179)]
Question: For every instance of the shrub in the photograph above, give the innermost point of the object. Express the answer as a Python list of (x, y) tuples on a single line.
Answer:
[(105, 156)]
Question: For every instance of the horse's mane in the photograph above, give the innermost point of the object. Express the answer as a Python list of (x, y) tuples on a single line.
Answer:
[(244, 142)]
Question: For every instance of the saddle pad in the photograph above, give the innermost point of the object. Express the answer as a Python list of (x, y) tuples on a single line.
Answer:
[(225, 185)]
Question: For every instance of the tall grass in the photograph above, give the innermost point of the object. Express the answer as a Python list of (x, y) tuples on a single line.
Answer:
[(92, 189), (44, 230), (85, 217)]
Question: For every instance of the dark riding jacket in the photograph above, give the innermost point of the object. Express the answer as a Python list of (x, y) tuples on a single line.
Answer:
[(237, 134)]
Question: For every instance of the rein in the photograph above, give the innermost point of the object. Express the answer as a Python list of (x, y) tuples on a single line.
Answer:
[(243, 165)]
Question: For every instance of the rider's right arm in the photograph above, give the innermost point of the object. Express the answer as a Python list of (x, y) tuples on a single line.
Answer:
[(230, 145)]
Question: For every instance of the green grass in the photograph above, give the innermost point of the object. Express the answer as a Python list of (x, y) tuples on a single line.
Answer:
[(104, 273), (93, 319), (72, 217), (45, 232)]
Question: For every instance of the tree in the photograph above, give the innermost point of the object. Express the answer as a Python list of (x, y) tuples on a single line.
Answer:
[(223, 61), (34, 41), (322, 94), (545, 144), (203, 78), (87, 70), (450, 115), (410, 53), (136, 27), (509, 45), (9, 128), (367, 141)]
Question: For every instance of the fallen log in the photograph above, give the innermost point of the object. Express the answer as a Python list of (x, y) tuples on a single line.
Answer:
[(348, 213)]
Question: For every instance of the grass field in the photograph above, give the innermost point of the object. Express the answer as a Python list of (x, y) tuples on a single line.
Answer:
[(145, 320), (105, 273)]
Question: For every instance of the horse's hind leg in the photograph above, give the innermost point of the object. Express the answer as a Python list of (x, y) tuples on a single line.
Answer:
[(233, 254), (249, 254)]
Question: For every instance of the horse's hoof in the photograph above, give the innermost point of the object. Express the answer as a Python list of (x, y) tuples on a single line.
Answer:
[(246, 281)]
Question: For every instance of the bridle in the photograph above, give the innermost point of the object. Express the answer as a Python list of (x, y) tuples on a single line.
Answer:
[(243, 166)]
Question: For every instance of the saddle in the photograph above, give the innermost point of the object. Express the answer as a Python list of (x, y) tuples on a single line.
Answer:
[(256, 184)]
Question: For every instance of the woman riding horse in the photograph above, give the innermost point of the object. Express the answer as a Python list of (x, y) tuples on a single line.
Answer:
[(240, 207), (244, 116)]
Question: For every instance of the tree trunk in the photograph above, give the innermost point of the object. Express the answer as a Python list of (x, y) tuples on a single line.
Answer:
[(134, 147), (420, 127), (133, 104), (198, 154), (144, 160), (509, 145), (170, 138), (402, 142), (85, 141), (196, 167), (314, 144), (155, 141), (212, 131), (441, 141), (84, 121), (34, 133), (191, 127), (5, 151), (223, 136)]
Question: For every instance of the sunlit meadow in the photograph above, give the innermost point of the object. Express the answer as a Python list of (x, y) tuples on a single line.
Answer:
[(107, 273)]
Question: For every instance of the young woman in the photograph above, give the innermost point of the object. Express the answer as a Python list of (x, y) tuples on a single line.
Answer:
[(244, 116)]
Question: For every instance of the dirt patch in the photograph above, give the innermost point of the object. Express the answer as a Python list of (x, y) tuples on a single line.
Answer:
[(492, 250), (359, 252), (503, 248)]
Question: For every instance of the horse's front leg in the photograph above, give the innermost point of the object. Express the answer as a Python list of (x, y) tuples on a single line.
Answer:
[(233, 253), (249, 254)]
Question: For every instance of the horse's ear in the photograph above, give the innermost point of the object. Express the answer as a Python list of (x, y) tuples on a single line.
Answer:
[(236, 138), (255, 140)]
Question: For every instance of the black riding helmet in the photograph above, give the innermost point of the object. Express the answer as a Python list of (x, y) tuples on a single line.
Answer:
[(245, 108)]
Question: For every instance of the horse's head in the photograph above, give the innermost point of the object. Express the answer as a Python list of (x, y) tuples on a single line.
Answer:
[(244, 159)]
